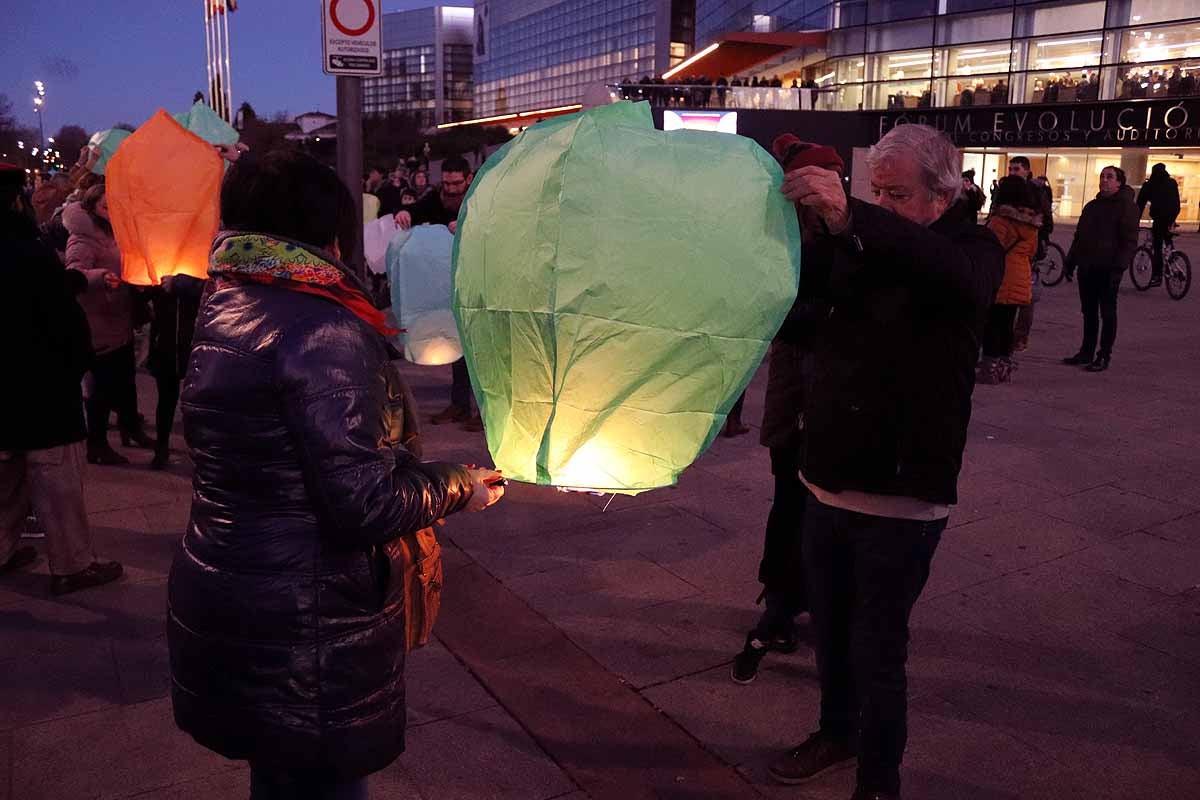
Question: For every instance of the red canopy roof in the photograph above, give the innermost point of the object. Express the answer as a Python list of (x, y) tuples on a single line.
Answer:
[(738, 51)]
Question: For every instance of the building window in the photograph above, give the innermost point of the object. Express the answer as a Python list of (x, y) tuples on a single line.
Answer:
[(1062, 17), (963, 28), (1145, 12)]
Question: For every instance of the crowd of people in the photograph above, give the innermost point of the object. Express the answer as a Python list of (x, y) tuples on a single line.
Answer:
[(307, 560), (699, 91)]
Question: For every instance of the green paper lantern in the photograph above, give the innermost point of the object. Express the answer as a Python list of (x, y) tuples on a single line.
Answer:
[(615, 288), (106, 142), (201, 120)]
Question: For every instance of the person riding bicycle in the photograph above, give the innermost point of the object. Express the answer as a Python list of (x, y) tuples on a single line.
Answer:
[(1162, 194)]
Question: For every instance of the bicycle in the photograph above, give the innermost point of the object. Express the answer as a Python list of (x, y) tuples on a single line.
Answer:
[(1177, 269), (1052, 265)]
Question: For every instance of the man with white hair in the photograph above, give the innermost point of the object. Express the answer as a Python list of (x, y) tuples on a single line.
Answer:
[(884, 424)]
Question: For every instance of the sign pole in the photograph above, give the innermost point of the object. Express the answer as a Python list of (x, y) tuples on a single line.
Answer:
[(350, 156), (352, 47)]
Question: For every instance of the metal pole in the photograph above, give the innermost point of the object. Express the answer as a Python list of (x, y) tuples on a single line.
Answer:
[(228, 73), (350, 156), (42, 129)]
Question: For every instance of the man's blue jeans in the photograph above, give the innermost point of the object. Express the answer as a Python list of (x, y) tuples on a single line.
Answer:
[(864, 574)]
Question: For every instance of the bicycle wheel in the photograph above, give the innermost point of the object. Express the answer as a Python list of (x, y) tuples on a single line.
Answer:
[(1177, 274), (1053, 265), (1142, 268)]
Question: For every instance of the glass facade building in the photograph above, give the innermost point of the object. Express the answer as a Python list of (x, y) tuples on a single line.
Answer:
[(427, 64), (532, 54), (885, 54)]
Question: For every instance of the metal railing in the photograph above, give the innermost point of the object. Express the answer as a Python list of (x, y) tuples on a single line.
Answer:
[(713, 97)]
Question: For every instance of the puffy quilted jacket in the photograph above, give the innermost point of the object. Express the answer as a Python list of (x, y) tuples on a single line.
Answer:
[(1017, 230), (286, 618)]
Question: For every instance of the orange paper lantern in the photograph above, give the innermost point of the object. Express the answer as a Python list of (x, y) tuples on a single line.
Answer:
[(164, 186)]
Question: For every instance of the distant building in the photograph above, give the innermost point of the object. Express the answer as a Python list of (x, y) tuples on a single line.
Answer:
[(313, 126), (533, 54), (427, 65)]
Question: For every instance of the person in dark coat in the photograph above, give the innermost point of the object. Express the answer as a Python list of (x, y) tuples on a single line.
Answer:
[(1103, 247), (174, 304), (441, 207), (286, 621), (886, 407), (1161, 193), (390, 193), (41, 410), (781, 570)]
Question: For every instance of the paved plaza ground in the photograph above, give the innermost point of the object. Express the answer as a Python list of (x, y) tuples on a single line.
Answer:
[(585, 652)]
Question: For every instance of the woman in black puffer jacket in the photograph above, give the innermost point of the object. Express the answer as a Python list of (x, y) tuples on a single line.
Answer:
[(1104, 244), (286, 619)]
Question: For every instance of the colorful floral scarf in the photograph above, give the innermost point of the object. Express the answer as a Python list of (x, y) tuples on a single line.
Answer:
[(276, 261)]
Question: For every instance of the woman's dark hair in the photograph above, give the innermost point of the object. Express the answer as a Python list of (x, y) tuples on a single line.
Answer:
[(91, 199), (1120, 173), (1014, 191), (290, 194)]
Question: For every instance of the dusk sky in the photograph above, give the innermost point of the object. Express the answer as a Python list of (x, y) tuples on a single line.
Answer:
[(110, 61)]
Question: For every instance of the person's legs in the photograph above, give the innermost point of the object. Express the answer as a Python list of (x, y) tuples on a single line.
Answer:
[(994, 331), (56, 490), (891, 564), (460, 395), (1159, 230), (828, 572), (1107, 303), (733, 422), (14, 503), (99, 402), (124, 397), (829, 567), (1089, 306), (164, 412)]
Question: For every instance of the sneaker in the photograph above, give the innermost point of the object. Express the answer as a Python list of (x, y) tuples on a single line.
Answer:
[(97, 574), (21, 557), (988, 371), (817, 753), (450, 414), (745, 665)]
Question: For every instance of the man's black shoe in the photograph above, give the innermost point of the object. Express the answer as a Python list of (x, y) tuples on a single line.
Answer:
[(818, 753), (97, 573), (1078, 360), (1099, 365), (745, 665)]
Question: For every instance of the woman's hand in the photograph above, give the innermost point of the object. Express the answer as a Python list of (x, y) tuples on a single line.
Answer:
[(111, 280), (486, 489)]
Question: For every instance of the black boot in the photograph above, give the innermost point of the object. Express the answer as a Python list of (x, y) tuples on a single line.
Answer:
[(136, 437), (162, 458), (104, 455)]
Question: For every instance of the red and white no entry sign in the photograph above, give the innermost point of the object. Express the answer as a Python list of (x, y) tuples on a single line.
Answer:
[(353, 44)]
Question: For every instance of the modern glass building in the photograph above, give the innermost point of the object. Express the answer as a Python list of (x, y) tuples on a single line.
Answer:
[(427, 63), (946, 58), (532, 54)]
